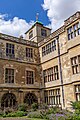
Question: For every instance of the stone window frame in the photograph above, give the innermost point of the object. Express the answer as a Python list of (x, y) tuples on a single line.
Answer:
[(30, 34), (44, 51), (46, 96), (77, 92), (48, 48), (43, 32), (76, 28), (29, 52), (5, 72), (51, 74), (53, 96), (10, 50), (8, 100), (54, 45), (30, 98), (73, 31), (56, 72), (26, 76), (75, 64)]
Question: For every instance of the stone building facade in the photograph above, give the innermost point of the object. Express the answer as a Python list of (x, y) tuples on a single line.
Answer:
[(44, 67)]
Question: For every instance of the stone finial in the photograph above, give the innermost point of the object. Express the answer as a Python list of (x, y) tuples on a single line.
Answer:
[(37, 16)]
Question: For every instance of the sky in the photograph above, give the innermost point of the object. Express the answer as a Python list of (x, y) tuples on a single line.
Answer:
[(17, 16)]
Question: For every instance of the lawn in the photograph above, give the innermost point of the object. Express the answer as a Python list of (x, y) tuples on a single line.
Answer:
[(33, 118), (21, 118)]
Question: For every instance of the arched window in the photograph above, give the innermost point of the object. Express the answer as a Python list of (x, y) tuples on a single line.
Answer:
[(8, 100), (30, 98)]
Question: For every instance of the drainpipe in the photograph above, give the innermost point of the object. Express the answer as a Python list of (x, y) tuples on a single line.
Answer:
[(60, 67)]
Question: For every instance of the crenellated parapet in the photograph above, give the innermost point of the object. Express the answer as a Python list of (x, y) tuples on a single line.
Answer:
[(72, 19)]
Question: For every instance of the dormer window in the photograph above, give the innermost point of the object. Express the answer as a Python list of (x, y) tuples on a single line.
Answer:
[(43, 32), (30, 34)]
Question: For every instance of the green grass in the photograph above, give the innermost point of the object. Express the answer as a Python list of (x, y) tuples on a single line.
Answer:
[(36, 119), (33, 118), (22, 117)]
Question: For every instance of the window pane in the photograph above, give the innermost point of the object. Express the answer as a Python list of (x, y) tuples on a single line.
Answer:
[(43, 32), (30, 34), (52, 98), (73, 31), (9, 50), (29, 52), (29, 77), (51, 74), (9, 75)]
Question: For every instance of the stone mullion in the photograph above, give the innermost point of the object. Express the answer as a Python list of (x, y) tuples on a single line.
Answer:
[(78, 64), (48, 97)]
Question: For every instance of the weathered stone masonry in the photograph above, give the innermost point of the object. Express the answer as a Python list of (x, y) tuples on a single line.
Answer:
[(37, 69)]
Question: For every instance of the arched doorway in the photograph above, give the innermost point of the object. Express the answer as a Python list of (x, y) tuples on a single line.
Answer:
[(30, 98), (8, 100)]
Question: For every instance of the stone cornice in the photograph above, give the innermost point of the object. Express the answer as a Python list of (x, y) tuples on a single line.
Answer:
[(17, 40)]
